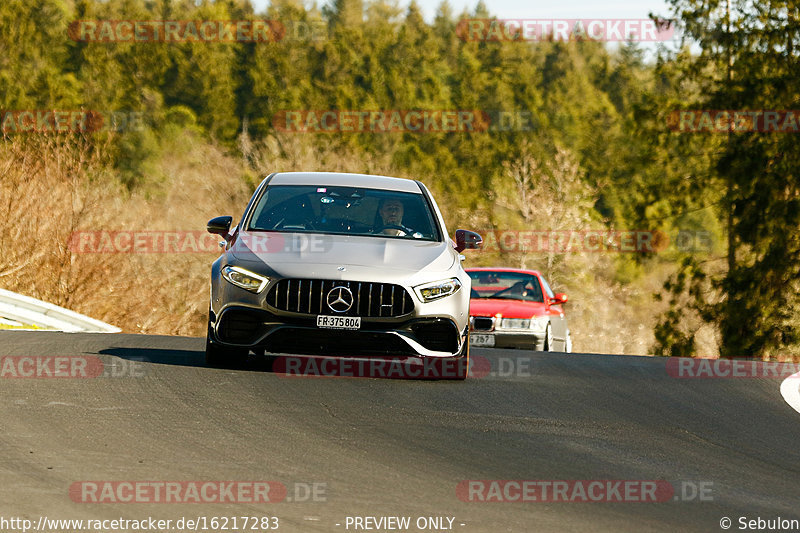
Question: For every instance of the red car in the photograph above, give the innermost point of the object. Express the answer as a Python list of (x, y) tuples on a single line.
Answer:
[(514, 308)]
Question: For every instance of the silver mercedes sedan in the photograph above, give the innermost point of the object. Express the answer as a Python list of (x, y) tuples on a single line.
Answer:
[(344, 265)]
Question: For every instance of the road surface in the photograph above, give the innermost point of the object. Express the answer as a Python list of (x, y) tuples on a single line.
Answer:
[(385, 447)]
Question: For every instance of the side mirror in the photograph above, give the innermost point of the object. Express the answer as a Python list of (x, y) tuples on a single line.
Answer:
[(220, 226), (467, 240), (559, 298)]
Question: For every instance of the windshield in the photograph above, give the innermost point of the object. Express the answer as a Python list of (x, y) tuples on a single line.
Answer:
[(344, 211), (506, 286)]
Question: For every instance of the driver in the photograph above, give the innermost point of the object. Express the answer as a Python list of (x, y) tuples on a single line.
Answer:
[(391, 212)]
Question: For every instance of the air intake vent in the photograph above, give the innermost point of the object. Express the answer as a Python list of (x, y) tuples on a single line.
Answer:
[(481, 323)]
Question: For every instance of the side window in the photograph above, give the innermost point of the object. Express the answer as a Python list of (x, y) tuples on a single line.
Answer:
[(534, 292), (547, 288)]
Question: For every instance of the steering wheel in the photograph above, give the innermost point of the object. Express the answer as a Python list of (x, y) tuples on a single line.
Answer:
[(406, 231), (281, 224), (520, 286)]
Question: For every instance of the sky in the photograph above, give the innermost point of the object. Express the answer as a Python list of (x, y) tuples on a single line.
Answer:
[(538, 9), (547, 10)]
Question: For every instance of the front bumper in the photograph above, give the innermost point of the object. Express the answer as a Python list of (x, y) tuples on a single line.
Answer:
[(282, 317), (526, 341), (509, 338), (259, 329)]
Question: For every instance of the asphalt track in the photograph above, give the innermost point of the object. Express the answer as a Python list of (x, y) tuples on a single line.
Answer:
[(383, 447)]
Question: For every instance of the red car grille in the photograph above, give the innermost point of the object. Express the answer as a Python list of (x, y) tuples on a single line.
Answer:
[(482, 323)]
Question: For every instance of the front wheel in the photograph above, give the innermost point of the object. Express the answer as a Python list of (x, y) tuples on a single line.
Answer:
[(463, 364), (548, 339), (457, 367), (219, 357)]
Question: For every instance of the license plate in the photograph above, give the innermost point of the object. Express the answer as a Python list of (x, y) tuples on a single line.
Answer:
[(481, 340), (338, 322)]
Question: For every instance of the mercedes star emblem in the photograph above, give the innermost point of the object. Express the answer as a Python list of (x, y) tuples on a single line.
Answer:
[(340, 299)]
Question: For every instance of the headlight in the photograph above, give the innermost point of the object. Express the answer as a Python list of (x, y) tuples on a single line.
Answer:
[(539, 323), (516, 323), (438, 289), (244, 278)]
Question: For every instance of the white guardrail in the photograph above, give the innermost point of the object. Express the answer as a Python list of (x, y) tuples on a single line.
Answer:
[(30, 311)]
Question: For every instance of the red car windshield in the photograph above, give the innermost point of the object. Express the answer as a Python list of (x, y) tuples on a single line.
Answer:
[(487, 284)]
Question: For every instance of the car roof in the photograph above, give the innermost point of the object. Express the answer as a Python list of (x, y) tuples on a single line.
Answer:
[(503, 269), (345, 180)]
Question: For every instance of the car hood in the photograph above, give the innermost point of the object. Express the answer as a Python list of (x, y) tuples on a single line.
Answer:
[(320, 256), (506, 308)]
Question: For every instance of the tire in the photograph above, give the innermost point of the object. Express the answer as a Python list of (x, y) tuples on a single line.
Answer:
[(218, 356), (460, 368), (463, 367), (548, 339)]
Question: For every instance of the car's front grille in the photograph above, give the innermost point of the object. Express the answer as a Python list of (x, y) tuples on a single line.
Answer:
[(310, 296), (482, 323)]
